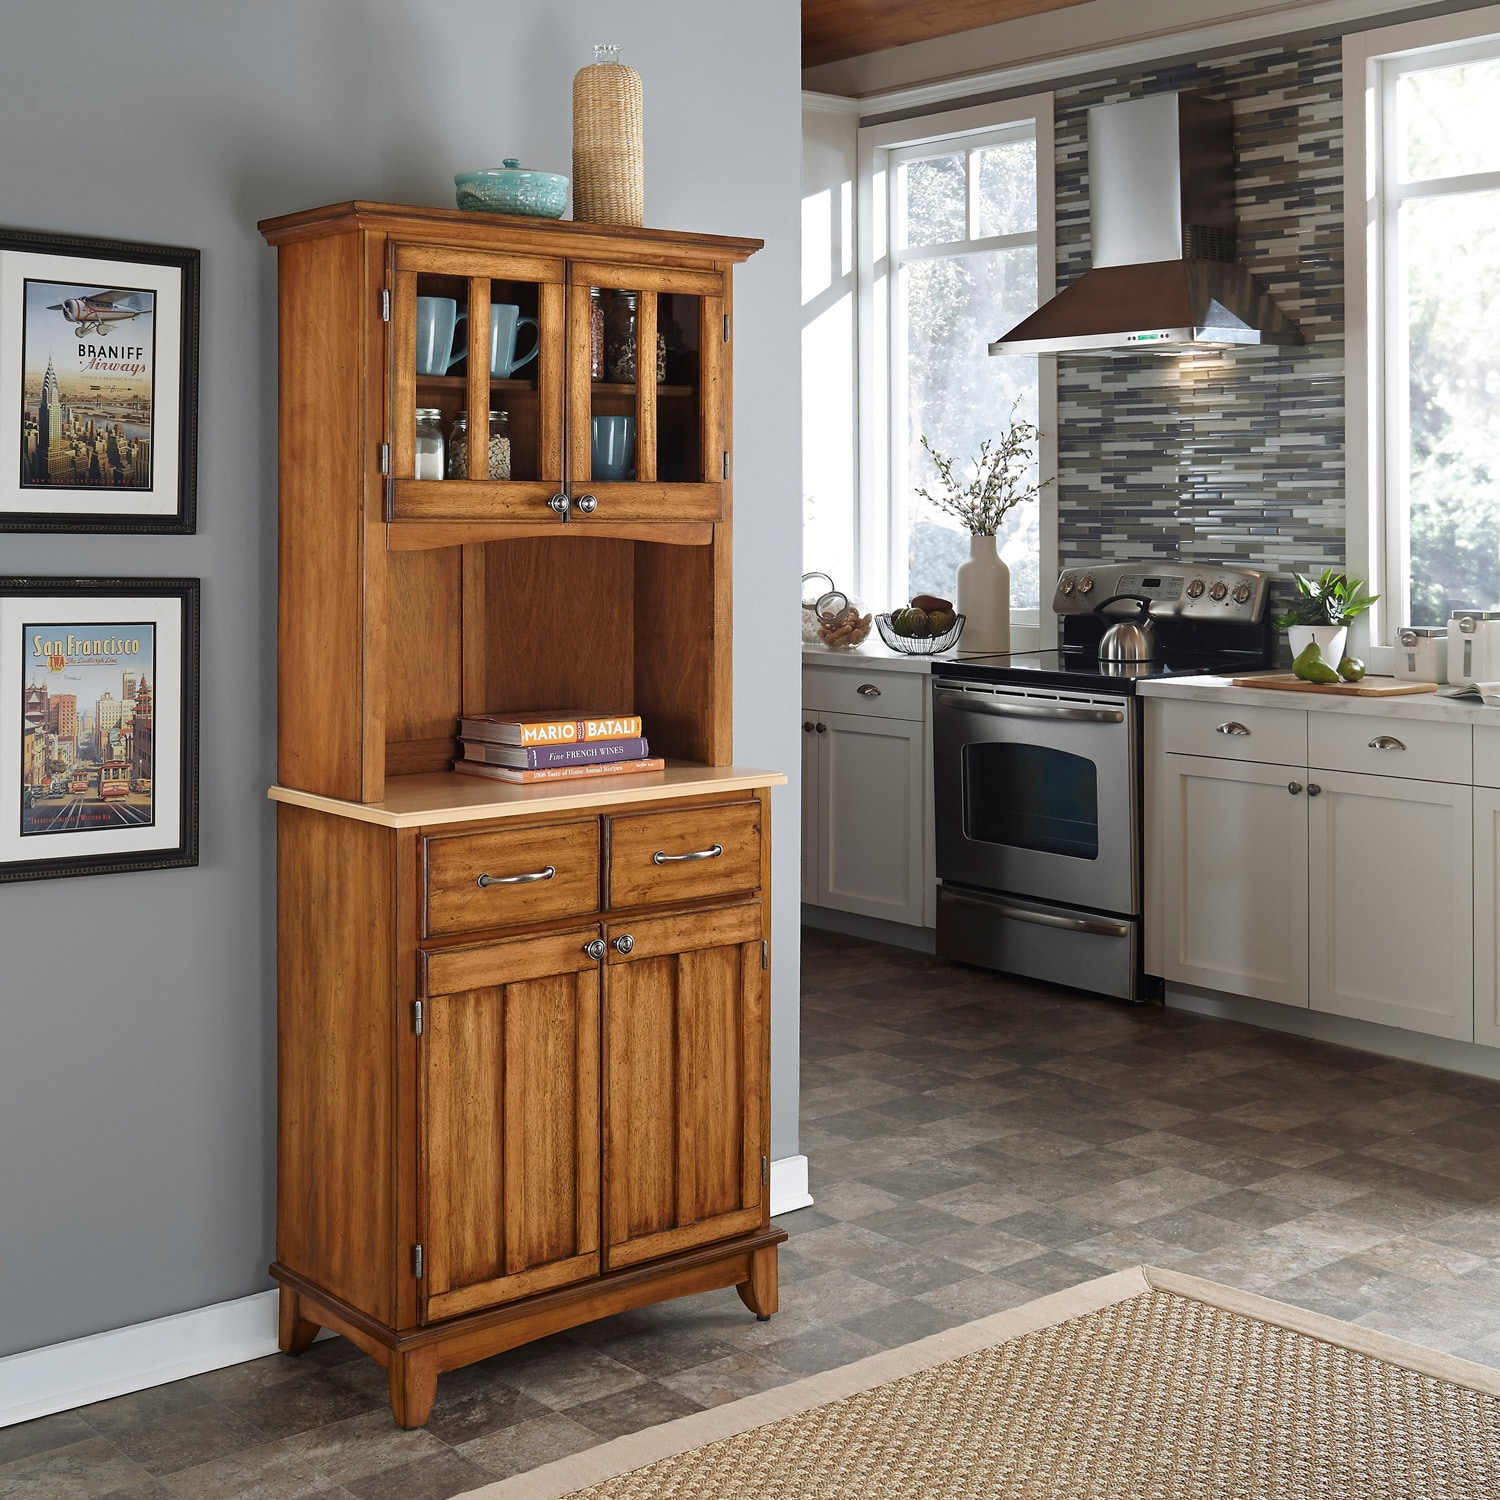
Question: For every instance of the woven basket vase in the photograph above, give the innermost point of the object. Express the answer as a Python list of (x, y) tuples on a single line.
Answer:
[(608, 145)]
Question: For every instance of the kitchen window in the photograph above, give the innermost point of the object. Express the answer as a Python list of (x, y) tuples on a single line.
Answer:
[(955, 245), (1424, 268)]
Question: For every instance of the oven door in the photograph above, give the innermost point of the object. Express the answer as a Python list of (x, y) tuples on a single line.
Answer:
[(1036, 794)]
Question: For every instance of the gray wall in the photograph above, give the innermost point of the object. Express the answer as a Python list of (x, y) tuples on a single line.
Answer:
[(137, 1068)]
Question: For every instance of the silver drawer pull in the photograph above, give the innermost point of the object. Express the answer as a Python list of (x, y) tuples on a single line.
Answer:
[(1386, 742), (486, 881), (1231, 726), (676, 859), (867, 690), (595, 950)]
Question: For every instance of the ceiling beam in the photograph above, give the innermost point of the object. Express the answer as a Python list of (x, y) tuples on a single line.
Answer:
[(835, 29)]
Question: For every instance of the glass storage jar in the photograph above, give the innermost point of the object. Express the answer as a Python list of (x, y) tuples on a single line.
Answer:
[(619, 338), (429, 455), (499, 446), (596, 333)]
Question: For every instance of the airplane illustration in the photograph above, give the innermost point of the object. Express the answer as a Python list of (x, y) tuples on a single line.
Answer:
[(91, 313)]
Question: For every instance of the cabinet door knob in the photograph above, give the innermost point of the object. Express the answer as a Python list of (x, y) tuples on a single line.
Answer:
[(1313, 789), (486, 881), (588, 504), (807, 726), (561, 504), (712, 852), (822, 729), (867, 690), (595, 950), (1231, 726), (624, 943), (1386, 742), (1294, 787)]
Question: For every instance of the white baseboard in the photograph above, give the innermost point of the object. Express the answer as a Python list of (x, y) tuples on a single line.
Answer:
[(59, 1377), (789, 1185)]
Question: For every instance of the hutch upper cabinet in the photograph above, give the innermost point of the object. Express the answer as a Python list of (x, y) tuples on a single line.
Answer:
[(524, 1045)]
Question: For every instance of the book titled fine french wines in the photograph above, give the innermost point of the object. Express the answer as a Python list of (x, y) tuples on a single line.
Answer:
[(560, 773), (547, 757), (553, 726)]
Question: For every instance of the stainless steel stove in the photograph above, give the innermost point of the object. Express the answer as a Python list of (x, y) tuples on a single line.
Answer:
[(1037, 758)]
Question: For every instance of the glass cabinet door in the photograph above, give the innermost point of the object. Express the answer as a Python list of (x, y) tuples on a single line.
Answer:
[(477, 373), (645, 394)]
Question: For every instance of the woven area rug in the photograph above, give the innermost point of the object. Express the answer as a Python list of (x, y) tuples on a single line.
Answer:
[(1143, 1385)]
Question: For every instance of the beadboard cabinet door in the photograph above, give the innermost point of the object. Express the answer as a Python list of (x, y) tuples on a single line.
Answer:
[(510, 1121), (1390, 901), (1234, 882), (686, 1045), (870, 818)]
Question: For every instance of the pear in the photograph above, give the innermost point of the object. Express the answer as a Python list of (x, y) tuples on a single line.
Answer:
[(1311, 667), (1351, 669)]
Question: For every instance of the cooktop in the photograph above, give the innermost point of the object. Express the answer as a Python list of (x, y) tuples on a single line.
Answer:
[(1079, 667)]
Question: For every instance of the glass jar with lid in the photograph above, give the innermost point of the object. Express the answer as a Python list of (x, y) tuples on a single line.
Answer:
[(429, 446), (499, 446), (619, 338)]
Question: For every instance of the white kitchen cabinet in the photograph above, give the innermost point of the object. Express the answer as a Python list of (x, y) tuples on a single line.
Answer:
[(1486, 912), (866, 792), (1233, 883), (1390, 901), (870, 816)]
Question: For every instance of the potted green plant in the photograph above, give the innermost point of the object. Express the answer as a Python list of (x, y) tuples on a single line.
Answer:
[(1322, 610)]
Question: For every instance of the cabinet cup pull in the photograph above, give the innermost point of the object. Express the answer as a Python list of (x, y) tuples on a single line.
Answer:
[(1231, 726), (1386, 742), (486, 881), (588, 504), (1294, 787), (867, 690), (1313, 789), (595, 950), (676, 859), (624, 943)]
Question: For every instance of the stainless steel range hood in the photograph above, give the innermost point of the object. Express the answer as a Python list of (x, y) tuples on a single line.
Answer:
[(1161, 213)]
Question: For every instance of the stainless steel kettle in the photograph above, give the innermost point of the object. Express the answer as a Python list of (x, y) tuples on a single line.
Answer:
[(1128, 640)]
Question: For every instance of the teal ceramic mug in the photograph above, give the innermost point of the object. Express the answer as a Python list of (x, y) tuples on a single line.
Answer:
[(437, 319), (505, 322), (613, 447)]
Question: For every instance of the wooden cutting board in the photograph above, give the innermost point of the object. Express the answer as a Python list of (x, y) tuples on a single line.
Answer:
[(1366, 687)]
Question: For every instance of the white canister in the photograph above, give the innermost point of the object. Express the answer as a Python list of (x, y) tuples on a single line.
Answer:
[(1471, 645), (1422, 653)]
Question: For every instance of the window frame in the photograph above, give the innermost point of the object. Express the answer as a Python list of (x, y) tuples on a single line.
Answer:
[(1375, 357), (879, 529)]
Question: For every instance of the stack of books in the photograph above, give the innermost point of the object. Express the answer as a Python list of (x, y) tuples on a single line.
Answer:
[(553, 745)]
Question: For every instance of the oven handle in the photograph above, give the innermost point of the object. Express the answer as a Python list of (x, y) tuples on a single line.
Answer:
[(1093, 925), (1002, 709)]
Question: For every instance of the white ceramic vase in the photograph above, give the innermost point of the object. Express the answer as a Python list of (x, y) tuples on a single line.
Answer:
[(1330, 639), (984, 598)]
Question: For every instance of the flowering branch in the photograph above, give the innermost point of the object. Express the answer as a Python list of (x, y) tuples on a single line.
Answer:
[(998, 484)]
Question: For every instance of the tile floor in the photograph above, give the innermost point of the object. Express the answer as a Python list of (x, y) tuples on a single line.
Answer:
[(974, 1142)]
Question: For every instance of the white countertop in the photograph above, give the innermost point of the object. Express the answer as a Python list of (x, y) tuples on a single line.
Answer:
[(871, 654), (1407, 706)]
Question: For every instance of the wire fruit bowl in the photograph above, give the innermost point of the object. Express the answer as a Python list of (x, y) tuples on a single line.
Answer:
[(919, 645)]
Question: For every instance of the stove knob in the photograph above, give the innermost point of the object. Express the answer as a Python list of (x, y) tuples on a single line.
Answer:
[(1086, 584), (1195, 589), (1218, 590), (1066, 586), (1242, 593)]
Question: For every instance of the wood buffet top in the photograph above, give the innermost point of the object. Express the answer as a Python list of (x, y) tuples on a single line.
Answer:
[(445, 797)]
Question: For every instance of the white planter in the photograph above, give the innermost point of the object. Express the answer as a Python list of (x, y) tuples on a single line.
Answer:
[(984, 598), (1330, 639)]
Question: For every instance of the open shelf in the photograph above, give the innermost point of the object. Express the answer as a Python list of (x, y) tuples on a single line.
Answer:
[(461, 383)]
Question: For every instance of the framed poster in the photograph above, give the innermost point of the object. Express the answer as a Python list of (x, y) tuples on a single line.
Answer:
[(98, 725), (98, 385)]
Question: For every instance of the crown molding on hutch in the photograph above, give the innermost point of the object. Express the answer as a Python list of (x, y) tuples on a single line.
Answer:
[(1267, 23)]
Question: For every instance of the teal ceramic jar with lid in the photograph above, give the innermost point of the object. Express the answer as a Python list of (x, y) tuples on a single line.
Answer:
[(513, 189)]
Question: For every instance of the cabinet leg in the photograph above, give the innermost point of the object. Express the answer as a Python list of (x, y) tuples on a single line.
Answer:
[(759, 1293), (413, 1388), (295, 1332)]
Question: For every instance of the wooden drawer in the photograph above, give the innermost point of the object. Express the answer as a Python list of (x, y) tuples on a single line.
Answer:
[(1235, 731), (647, 863), (852, 690), (454, 864), (1486, 756), (1382, 745)]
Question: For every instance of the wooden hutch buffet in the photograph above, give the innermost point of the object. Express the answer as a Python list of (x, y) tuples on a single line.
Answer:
[(509, 1105)]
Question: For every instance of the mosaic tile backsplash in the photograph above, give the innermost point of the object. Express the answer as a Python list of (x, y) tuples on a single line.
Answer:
[(1234, 455)]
